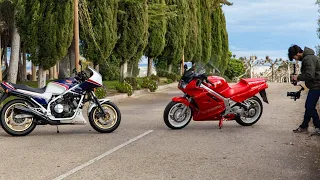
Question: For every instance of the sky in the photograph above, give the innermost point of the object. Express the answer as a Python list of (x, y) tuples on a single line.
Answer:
[(270, 27)]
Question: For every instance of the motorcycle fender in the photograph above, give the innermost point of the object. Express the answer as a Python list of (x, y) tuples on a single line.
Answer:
[(181, 100), (4, 96), (263, 95), (92, 104)]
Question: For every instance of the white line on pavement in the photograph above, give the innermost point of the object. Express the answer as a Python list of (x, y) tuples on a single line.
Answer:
[(101, 156)]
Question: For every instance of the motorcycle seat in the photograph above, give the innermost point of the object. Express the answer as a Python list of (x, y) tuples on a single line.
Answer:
[(28, 88), (235, 89)]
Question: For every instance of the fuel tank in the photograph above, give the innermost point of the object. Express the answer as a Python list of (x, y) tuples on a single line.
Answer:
[(219, 83), (60, 86)]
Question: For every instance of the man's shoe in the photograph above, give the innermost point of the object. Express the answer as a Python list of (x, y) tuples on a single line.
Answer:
[(316, 132), (301, 130)]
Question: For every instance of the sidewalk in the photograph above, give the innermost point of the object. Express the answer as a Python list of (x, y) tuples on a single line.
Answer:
[(136, 93)]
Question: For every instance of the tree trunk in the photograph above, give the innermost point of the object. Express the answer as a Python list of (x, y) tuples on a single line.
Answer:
[(41, 77), (150, 61), (182, 66), (22, 67), (58, 65), (72, 59), (170, 68), (55, 74), (33, 72), (64, 67), (96, 67), (24, 58), (51, 73), (0, 59), (131, 70), (67, 64), (289, 80), (14, 59), (272, 73), (5, 57), (124, 69)]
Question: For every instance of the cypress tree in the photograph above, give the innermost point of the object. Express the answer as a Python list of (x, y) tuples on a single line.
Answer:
[(216, 38), (157, 31), (99, 43), (11, 8), (47, 31), (225, 43), (193, 31), (198, 54), (206, 29), (132, 26), (134, 61), (177, 33)]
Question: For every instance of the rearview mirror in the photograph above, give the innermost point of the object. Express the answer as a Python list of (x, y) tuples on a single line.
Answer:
[(185, 67), (80, 63)]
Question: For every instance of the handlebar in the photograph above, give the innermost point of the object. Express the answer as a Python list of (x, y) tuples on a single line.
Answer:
[(81, 76), (203, 77)]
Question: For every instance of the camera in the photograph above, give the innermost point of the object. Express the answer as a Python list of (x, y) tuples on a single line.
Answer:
[(295, 95)]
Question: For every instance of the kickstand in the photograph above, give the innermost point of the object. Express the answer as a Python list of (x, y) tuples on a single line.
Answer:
[(57, 129), (221, 122)]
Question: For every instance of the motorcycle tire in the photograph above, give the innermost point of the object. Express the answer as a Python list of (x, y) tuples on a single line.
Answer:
[(8, 127), (98, 125), (170, 122), (252, 122)]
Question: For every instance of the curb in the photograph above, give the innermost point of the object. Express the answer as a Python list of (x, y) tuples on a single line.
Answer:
[(160, 88), (140, 92)]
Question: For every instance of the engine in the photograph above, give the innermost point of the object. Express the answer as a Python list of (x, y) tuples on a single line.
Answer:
[(65, 107)]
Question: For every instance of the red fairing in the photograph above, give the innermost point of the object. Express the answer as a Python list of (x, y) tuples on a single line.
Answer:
[(207, 105), (239, 92), (181, 100)]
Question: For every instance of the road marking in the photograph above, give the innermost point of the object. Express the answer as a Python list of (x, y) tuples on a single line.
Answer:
[(101, 156)]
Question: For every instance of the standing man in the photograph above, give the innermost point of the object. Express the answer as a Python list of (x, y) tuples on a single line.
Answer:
[(310, 74)]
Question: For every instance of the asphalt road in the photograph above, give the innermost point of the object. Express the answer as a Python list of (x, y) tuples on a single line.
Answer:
[(144, 148)]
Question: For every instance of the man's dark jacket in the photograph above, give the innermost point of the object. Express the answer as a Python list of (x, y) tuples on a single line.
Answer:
[(310, 69)]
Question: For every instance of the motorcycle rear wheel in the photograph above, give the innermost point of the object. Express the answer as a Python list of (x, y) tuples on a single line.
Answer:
[(253, 114), (16, 126), (172, 116)]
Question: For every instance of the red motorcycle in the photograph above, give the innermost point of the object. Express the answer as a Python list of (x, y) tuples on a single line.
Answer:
[(213, 99)]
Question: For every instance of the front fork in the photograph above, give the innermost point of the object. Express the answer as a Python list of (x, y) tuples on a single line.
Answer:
[(185, 107), (95, 99)]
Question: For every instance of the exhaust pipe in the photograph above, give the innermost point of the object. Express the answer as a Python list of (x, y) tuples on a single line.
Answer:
[(37, 114), (29, 111)]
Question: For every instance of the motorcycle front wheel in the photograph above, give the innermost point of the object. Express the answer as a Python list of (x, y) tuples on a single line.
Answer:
[(173, 118), (109, 122)]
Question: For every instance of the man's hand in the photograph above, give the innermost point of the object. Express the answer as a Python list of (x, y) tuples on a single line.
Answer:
[(294, 79)]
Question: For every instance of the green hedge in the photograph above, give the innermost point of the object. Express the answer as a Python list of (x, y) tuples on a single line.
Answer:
[(150, 84), (124, 87)]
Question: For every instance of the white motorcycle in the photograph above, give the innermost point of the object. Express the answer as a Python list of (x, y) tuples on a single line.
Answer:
[(59, 103)]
